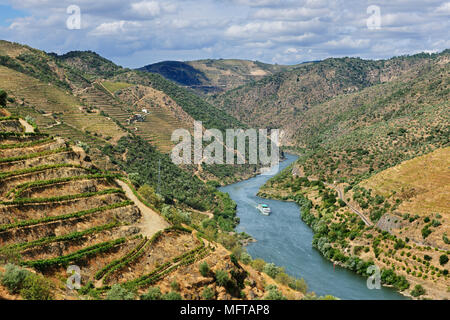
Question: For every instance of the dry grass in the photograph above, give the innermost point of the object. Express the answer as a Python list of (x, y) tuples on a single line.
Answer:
[(423, 183)]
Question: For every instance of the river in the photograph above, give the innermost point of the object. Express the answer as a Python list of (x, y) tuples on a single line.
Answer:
[(284, 239)]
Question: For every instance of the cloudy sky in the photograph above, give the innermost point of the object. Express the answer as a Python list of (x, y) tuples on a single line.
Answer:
[(138, 32)]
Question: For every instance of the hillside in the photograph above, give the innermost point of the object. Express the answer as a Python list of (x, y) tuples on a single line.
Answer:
[(421, 188), (372, 177), (409, 244), (281, 100), (85, 98), (58, 209), (214, 76)]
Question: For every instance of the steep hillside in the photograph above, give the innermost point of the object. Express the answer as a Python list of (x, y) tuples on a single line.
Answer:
[(372, 177), (419, 189), (278, 100), (353, 136), (89, 100), (58, 209), (213, 76)]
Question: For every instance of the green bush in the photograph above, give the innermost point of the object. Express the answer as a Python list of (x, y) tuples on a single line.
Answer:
[(246, 258), (272, 270), (13, 278), (222, 277), (36, 288), (418, 291), (172, 296), (3, 97), (204, 269), (207, 293), (443, 259), (258, 264), (153, 293), (274, 293), (175, 286), (117, 292)]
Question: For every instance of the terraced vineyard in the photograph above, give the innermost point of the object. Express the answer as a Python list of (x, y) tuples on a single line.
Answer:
[(58, 209), (122, 104)]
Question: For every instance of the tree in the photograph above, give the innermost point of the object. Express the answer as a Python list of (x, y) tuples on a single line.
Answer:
[(443, 259), (204, 269), (418, 291), (3, 97), (222, 277)]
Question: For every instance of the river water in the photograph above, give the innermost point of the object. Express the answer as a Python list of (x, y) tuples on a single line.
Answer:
[(284, 239)]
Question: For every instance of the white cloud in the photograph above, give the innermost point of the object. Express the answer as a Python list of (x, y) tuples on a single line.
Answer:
[(443, 9), (138, 32), (146, 8)]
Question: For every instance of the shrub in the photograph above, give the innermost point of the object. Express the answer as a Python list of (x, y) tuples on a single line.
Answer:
[(3, 98), (272, 270), (117, 292), (36, 288), (299, 285), (207, 293), (443, 259), (258, 264), (172, 296), (283, 278), (13, 277), (153, 293), (418, 291), (246, 258), (274, 293), (204, 269), (175, 286), (222, 277)]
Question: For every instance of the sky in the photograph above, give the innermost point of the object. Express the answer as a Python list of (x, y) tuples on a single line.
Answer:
[(139, 32)]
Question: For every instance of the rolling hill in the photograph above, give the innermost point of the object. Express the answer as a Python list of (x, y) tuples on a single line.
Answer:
[(214, 76)]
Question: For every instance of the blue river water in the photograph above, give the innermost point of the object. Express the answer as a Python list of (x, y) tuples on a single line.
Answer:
[(284, 239)]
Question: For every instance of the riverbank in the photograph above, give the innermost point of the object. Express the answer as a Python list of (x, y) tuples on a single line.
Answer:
[(285, 240), (342, 237)]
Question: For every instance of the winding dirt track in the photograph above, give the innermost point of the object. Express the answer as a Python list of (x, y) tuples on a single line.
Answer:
[(152, 222), (341, 196)]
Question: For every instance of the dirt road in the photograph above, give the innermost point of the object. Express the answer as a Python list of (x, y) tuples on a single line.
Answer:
[(152, 222)]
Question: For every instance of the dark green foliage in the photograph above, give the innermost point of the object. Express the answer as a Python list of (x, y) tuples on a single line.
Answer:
[(222, 278), (118, 292), (153, 293), (204, 269), (3, 98), (207, 293), (143, 162), (418, 291), (172, 296), (443, 259), (13, 278)]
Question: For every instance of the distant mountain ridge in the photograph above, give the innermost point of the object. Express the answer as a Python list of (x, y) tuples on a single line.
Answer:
[(214, 75)]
